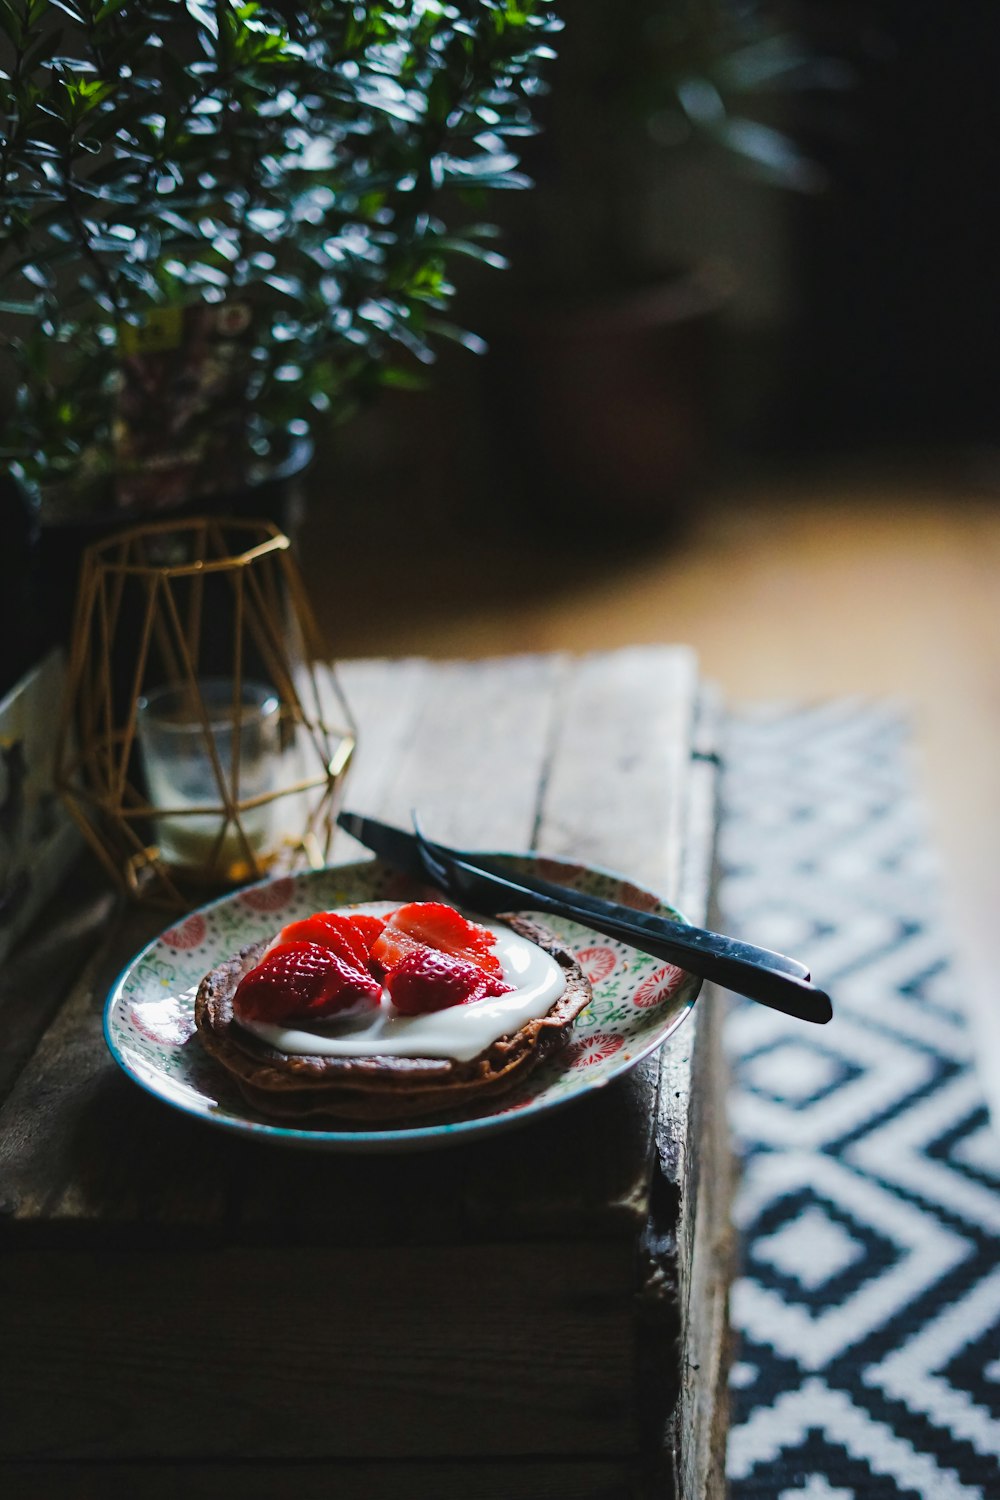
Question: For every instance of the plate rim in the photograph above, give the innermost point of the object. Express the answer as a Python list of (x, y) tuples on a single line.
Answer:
[(415, 1137)]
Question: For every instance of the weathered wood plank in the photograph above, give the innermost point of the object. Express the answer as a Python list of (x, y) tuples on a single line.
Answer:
[(497, 1479), (586, 1168), (701, 1417), (678, 1119), (695, 1166), (522, 1186), (36, 978), (613, 796), (474, 762), (616, 787), (82, 1150), (386, 699), (317, 1354)]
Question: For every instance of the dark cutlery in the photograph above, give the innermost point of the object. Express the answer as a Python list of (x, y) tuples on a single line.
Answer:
[(480, 884)]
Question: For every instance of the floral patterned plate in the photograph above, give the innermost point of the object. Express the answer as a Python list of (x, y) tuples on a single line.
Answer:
[(637, 1003)]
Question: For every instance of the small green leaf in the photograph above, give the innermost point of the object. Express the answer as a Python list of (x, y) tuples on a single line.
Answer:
[(73, 11), (314, 160)]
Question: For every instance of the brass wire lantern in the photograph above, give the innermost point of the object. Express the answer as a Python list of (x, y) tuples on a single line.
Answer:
[(204, 736)]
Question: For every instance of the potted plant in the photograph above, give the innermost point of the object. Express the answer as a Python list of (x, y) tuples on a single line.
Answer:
[(219, 220)]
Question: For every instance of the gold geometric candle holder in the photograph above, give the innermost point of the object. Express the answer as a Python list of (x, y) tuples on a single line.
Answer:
[(205, 736)]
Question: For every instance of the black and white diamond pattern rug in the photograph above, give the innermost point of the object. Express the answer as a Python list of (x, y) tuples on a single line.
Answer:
[(867, 1310)]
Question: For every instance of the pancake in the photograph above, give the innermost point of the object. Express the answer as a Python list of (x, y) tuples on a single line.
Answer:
[(379, 1089)]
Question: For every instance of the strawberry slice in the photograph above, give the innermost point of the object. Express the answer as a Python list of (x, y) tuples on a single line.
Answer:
[(370, 927), (351, 937), (302, 981), (392, 947), (426, 979), (432, 924)]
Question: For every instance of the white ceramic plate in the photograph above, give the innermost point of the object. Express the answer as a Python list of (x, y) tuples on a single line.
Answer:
[(637, 1003)]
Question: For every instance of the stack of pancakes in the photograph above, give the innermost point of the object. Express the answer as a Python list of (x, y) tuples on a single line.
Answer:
[(379, 1089)]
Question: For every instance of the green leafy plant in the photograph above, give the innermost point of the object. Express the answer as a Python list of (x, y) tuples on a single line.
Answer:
[(309, 171)]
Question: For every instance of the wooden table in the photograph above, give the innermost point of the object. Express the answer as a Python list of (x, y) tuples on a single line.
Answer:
[(541, 1314)]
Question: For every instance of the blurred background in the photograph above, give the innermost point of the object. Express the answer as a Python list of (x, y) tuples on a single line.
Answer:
[(741, 390)]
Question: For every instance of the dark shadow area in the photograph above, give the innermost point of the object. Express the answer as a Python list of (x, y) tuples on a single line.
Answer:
[(671, 319), (894, 338)]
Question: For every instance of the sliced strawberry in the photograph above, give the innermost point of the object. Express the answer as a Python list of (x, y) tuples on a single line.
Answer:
[(426, 979), (303, 981), (370, 927), (496, 985), (435, 925), (344, 935), (392, 946)]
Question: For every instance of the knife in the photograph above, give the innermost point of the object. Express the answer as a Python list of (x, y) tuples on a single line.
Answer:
[(770, 978)]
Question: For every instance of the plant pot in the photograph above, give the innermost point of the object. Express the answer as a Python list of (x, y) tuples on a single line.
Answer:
[(20, 642), (59, 548)]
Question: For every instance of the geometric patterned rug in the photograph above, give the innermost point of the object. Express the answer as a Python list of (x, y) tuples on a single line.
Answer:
[(867, 1311)]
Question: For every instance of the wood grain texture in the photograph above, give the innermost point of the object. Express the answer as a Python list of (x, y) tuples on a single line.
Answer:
[(687, 1250), (81, 1155), (698, 1426), (380, 1356), (617, 781), (344, 1479), (34, 981), (386, 723), (474, 761), (439, 1307)]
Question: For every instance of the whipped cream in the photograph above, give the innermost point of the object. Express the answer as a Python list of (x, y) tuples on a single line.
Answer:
[(459, 1032)]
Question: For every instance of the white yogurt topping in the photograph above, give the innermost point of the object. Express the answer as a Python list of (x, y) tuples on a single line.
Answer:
[(460, 1031)]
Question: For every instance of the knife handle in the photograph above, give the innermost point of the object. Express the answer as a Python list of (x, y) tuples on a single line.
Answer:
[(691, 939), (724, 964)]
